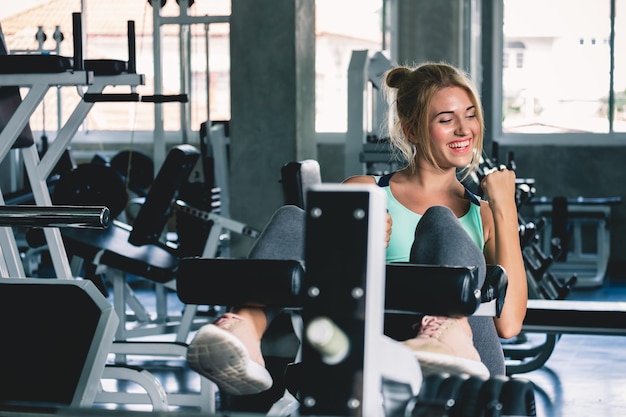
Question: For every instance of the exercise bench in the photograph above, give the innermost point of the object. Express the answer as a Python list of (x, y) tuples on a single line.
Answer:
[(56, 333), (347, 287), (70, 323)]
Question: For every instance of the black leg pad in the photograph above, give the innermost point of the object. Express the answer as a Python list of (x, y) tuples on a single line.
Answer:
[(224, 281), (437, 290), (221, 281)]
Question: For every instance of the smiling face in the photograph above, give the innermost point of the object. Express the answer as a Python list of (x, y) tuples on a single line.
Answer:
[(453, 127)]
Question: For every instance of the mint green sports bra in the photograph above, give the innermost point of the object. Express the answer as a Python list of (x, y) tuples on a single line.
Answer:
[(405, 221)]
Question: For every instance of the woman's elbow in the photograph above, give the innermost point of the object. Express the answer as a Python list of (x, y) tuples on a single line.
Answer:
[(508, 328)]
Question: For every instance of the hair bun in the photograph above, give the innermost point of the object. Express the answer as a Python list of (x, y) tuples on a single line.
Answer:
[(396, 76)]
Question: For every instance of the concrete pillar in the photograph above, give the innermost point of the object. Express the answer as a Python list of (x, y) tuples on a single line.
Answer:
[(452, 31), (427, 30), (272, 103)]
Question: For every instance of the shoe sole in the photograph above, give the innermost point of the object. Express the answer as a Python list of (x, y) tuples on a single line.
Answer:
[(431, 362), (221, 357)]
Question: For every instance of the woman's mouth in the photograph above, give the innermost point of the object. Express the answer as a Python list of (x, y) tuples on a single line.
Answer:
[(460, 145)]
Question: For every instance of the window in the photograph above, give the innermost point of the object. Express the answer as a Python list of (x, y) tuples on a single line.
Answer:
[(336, 38), (562, 79)]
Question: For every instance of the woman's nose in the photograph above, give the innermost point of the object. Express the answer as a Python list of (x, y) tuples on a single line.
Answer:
[(462, 128)]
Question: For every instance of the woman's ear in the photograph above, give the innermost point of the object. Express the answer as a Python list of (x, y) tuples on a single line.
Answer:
[(408, 134)]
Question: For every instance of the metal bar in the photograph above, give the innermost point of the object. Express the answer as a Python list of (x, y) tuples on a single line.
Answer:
[(55, 216), (576, 317)]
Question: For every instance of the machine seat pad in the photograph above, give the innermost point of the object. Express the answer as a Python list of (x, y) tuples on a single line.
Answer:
[(34, 64), (106, 66), (149, 261)]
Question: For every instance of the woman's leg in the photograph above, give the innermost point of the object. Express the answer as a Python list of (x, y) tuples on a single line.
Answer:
[(228, 351), (446, 343)]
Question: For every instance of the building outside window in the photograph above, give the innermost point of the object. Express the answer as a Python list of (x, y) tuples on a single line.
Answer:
[(568, 77)]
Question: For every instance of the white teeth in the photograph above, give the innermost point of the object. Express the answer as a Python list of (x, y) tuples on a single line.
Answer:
[(459, 144)]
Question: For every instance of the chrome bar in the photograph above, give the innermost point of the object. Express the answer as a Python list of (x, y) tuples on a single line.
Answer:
[(93, 217)]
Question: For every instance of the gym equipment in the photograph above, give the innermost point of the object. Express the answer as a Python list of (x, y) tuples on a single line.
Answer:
[(39, 73), (296, 178), (55, 216), (365, 152), (10, 100), (72, 378), (275, 282), (137, 250), (123, 251), (92, 184), (184, 20), (208, 191), (567, 218), (136, 167), (548, 311), (345, 284), (72, 347)]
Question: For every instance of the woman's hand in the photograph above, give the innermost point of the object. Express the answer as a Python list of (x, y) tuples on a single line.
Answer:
[(498, 186), (389, 224)]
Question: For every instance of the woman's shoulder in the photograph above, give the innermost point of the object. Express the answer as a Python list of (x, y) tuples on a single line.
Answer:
[(360, 179)]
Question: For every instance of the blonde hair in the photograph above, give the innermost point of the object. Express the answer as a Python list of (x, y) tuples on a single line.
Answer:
[(409, 92)]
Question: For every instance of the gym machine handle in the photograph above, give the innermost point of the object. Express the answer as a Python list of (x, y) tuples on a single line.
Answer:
[(92, 217), (164, 98)]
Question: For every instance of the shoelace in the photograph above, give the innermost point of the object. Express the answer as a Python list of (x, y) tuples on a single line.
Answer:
[(227, 320), (431, 325)]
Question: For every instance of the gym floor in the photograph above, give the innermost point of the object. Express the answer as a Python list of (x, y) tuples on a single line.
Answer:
[(584, 376)]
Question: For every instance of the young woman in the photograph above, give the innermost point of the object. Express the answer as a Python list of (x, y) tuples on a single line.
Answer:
[(437, 126), (436, 123)]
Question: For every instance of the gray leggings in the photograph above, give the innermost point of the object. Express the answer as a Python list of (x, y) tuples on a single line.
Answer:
[(283, 238)]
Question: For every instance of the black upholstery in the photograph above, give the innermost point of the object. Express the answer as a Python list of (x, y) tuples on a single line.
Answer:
[(106, 66), (157, 208), (266, 281), (136, 249), (452, 290), (296, 178), (56, 335), (34, 64)]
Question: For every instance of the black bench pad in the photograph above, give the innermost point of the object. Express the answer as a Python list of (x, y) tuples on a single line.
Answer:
[(222, 281), (50, 64), (34, 64), (150, 261)]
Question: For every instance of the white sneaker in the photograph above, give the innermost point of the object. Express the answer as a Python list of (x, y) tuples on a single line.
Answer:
[(443, 345), (228, 353)]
